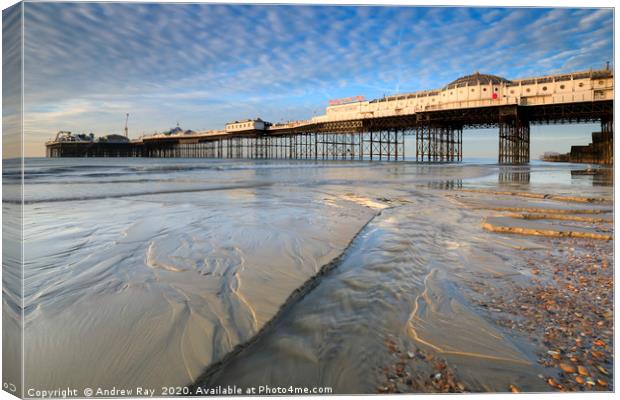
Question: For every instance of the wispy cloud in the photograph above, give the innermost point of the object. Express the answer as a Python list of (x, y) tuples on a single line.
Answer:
[(87, 64)]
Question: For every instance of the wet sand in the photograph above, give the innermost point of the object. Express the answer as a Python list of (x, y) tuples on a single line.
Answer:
[(347, 334), (272, 273), (169, 294)]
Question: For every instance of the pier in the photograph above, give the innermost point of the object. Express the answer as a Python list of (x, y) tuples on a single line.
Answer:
[(357, 129)]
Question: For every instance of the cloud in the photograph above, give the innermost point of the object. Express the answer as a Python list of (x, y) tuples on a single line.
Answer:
[(89, 63)]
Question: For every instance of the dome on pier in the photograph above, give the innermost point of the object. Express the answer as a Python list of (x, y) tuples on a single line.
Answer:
[(475, 79)]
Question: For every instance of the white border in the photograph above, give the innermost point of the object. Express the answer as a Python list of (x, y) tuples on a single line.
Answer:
[(475, 3)]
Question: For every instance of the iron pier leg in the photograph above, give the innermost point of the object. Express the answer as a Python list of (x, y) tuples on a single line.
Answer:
[(514, 142)]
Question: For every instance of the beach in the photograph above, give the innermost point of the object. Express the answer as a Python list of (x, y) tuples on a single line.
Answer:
[(355, 276)]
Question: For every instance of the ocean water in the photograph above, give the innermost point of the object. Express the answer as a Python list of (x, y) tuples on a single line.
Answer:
[(144, 272)]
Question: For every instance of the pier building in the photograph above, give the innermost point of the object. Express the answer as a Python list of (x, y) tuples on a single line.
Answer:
[(355, 128)]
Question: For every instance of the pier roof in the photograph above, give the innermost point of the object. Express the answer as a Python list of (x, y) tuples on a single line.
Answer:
[(477, 78)]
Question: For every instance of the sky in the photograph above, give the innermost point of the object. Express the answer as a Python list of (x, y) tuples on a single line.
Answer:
[(201, 65)]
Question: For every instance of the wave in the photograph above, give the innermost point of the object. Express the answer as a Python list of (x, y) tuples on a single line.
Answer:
[(133, 194), (105, 170), (104, 182)]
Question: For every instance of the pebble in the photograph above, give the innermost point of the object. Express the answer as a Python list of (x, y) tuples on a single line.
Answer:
[(568, 310), (598, 354), (603, 370), (405, 375), (552, 382), (582, 370)]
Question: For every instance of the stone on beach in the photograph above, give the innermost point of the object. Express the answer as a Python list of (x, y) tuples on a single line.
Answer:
[(569, 369), (582, 370)]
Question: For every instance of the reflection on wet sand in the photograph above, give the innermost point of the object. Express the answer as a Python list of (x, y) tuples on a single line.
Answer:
[(446, 185), (598, 176), (517, 174)]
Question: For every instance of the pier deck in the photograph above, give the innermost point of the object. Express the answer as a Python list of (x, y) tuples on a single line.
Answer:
[(376, 130)]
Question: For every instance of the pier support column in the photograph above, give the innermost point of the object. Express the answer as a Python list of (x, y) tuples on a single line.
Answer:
[(439, 143), (514, 141), (426, 143)]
